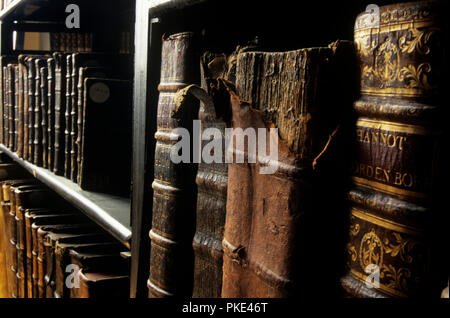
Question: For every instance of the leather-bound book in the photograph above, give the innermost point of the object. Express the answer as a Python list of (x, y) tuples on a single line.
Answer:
[(38, 115), (24, 108), (271, 197), (174, 189), (67, 118), (50, 240), (107, 112), (10, 72), (120, 63), (395, 232), (50, 113), (43, 71), (20, 104), (62, 259), (60, 108), (16, 108), (25, 197), (31, 74), (211, 182), (4, 61), (109, 272)]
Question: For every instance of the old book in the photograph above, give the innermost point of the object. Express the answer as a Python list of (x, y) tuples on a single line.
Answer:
[(211, 182), (37, 112), (4, 61), (271, 196), (62, 259), (10, 73), (25, 196), (24, 107), (109, 267), (20, 104), (60, 108), (7, 171), (395, 229), (31, 102), (16, 108), (67, 118), (120, 63), (50, 113), (107, 105), (44, 112), (174, 189)]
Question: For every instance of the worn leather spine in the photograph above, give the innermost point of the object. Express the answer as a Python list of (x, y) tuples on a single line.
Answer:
[(264, 245), (50, 113), (31, 102), (16, 108), (4, 60), (68, 125), (102, 286), (174, 190), (10, 97), (38, 115), (21, 105), (44, 113), (394, 234), (211, 182), (60, 102), (24, 66)]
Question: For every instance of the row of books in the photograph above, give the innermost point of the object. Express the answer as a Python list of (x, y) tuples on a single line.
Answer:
[(354, 207), (71, 42), (51, 250), (67, 113)]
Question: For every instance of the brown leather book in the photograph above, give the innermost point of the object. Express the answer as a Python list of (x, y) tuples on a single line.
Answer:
[(120, 63), (20, 104), (50, 113), (174, 188), (31, 83), (60, 108), (4, 61), (10, 73), (109, 272), (107, 105), (211, 180), (39, 229), (395, 233), (267, 210), (67, 118), (38, 114), (16, 108), (24, 107), (62, 260), (44, 112)]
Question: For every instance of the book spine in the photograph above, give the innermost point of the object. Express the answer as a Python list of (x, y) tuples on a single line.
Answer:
[(25, 109), (42, 263), (16, 108), (51, 113), (398, 138), (31, 103), (34, 253), (14, 288), (74, 120), (20, 107), (174, 196), (44, 112), (67, 140), (10, 92), (37, 144), (2, 101), (6, 107), (80, 121), (60, 85)]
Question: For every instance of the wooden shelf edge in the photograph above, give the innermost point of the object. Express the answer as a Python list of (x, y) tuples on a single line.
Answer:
[(90, 203)]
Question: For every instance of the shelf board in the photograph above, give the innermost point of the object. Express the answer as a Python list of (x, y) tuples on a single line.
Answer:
[(111, 212)]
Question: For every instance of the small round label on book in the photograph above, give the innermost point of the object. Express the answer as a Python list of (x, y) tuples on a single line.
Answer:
[(99, 92)]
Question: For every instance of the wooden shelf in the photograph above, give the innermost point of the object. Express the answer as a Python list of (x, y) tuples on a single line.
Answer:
[(111, 212)]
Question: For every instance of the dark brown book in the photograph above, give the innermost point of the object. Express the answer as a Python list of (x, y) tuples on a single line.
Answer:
[(4, 61), (10, 73), (38, 115), (50, 113), (44, 113), (62, 259), (174, 189), (20, 104), (54, 41), (396, 234), (67, 116), (107, 105), (16, 108), (31, 102), (60, 108), (120, 63), (272, 199), (24, 127), (98, 285)]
